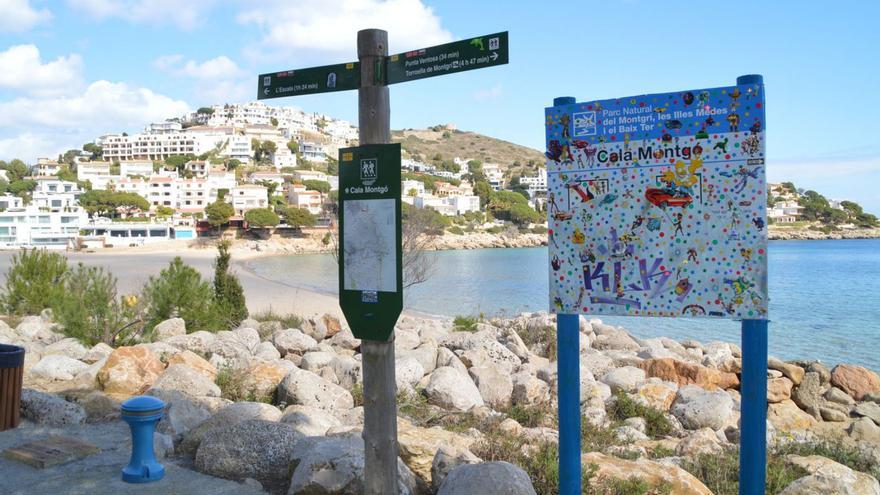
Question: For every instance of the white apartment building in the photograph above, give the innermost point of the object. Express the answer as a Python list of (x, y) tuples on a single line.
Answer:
[(247, 197), (312, 152), (537, 185), (163, 191), (143, 168), (55, 194), (46, 167), (199, 168), (302, 175), (493, 176), (448, 205), (412, 188), (105, 233), (10, 201), (299, 197), (194, 195), (462, 163), (31, 226), (97, 173), (784, 211), (275, 177)]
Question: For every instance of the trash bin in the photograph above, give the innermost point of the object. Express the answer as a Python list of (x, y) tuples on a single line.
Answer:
[(11, 374)]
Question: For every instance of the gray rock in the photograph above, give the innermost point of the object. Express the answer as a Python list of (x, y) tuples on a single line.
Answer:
[(619, 340), (445, 357), (865, 430), (162, 350), (335, 465), (184, 412), (868, 410), (827, 477), (249, 337), (315, 360), (293, 340), (256, 449), (172, 327), (309, 420), (451, 389), (228, 351), (407, 373), (597, 363), (34, 328), (425, 354), (250, 323), (347, 370), (308, 389), (48, 409), (447, 458), (528, 390), (344, 340), (808, 395), (98, 352), (628, 434), (488, 478), (495, 387), (69, 347), (696, 408), (821, 369), (266, 352), (185, 379), (197, 342), (626, 378), (229, 415), (57, 367), (830, 414), (838, 396), (406, 340)]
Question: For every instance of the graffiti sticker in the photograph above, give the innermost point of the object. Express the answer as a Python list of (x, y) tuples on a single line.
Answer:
[(656, 204)]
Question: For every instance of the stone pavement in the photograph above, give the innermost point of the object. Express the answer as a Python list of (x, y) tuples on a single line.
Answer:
[(99, 474)]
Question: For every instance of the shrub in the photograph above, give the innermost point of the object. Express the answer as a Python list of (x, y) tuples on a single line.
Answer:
[(532, 416), (851, 457), (720, 472), (261, 217), (465, 323), (455, 230), (33, 281), (228, 294), (180, 291), (289, 320), (232, 386), (90, 311), (624, 407)]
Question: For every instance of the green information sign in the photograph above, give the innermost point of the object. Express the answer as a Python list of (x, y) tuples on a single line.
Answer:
[(338, 77), (370, 256), (475, 53)]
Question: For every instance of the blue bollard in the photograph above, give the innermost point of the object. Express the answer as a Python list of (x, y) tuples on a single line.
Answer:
[(142, 413)]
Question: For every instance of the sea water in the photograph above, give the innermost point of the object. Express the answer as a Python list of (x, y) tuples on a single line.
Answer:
[(824, 295)]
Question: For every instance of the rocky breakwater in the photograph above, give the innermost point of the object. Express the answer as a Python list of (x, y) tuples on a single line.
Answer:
[(281, 407), (481, 240)]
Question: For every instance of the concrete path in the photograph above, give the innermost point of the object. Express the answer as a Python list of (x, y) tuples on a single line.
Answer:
[(101, 473)]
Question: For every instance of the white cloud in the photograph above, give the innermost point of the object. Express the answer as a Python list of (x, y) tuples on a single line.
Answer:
[(18, 16), (23, 70), (488, 94), (186, 14), (43, 126), (298, 26), (217, 80)]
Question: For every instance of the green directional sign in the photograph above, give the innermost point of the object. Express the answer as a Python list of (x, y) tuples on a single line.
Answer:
[(475, 53), (370, 255), (338, 77)]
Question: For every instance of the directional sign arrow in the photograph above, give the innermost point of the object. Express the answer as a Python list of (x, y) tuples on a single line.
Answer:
[(338, 77), (494, 56), (474, 53), (266, 91)]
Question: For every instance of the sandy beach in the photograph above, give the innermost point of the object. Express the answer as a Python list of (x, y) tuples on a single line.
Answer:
[(133, 266)]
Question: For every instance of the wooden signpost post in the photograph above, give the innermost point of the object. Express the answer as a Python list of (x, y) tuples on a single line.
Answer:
[(370, 257)]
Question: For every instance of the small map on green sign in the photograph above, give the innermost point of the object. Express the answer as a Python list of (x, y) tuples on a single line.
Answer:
[(338, 77), (474, 53)]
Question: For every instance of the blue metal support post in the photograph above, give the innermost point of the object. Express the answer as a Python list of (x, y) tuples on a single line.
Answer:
[(568, 385), (753, 421)]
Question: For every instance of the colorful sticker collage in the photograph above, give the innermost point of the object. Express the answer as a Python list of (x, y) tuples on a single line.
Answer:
[(657, 205)]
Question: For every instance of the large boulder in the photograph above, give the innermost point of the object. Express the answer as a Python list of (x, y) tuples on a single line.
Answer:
[(407, 373), (495, 387), (97, 353), (418, 446), (827, 477), (172, 327), (653, 473), (625, 379), (487, 478), (787, 416), (445, 460), (791, 371), (293, 340), (69, 347), (183, 412), (34, 328), (696, 408), (130, 370), (185, 379), (779, 389), (657, 394), (48, 409), (308, 389), (256, 449), (808, 395), (451, 389), (528, 390), (347, 370), (855, 380), (684, 373), (618, 341), (262, 378), (335, 465), (231, 414), (194, 361), (230, 351), (868, 410), (865, 430), (309, 420), (197, 342), (56, 367)]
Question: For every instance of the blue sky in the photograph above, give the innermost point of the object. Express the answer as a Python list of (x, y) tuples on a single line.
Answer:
[(73, 69)]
